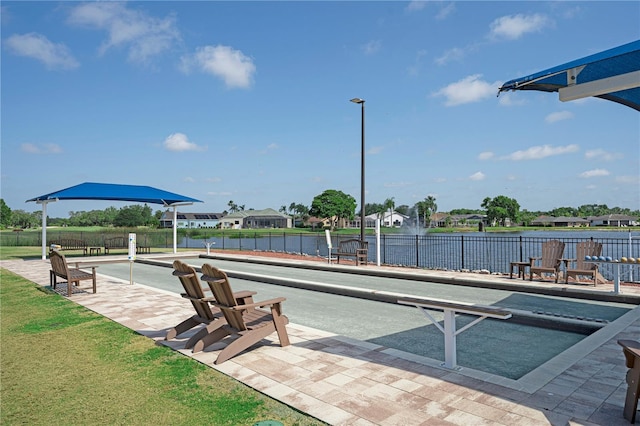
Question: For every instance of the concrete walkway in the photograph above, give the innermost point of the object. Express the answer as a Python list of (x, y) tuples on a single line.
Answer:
[(348, 382)]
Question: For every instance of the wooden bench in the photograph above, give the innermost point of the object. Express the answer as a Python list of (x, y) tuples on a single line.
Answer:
[(115, 243), (450, 310), (353, 248), (71, 244), (123, 243), (60, 269), (631, 350)]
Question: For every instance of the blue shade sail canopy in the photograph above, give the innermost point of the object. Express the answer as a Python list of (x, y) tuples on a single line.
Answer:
[(115, 192), (613, 75)]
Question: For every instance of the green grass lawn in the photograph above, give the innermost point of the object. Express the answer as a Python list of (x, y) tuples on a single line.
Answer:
[(63, 364)]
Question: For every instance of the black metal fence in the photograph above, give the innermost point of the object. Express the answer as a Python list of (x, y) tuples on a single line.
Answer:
[(430, 251)]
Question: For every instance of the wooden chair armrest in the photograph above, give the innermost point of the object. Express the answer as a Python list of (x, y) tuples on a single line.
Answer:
[(261, 304), (181, 274)]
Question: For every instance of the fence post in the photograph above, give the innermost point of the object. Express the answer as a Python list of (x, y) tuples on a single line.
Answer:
[(520, 249), (284, 241), (417, 252), (462, 249)]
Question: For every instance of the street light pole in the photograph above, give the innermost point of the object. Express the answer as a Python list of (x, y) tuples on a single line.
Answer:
[(362, 219)]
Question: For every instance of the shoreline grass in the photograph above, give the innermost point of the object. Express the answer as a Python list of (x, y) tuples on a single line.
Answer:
[(63, 364)]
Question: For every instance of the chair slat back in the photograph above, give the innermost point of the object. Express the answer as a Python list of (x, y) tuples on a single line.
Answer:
[(58, 263), (587, 248), (192, 287), (551, 253), (219, 284)]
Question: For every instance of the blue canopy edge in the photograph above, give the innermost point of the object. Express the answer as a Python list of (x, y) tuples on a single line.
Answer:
[(116, 192), (613, 75)]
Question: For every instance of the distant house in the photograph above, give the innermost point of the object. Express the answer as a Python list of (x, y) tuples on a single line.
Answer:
[(393, 219), (560, 222), (191, 220), (255, 219), (613, 220)]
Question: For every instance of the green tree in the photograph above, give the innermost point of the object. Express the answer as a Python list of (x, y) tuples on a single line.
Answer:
[(501, 208), (5, 214), (426, 208), (389, 204), (334, 205), (24, 219), (136, 215)]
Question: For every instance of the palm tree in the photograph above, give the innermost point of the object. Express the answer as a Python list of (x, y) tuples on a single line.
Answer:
[(430, 207), (389, 204)]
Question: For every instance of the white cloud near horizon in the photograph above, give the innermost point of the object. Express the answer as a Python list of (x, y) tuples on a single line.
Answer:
[(36, 46), (477, 176), (468, 90), (558, 116), (601, 154), (180, 142), (47, 148), (539, 152), (594, 173), (486, 155), (232, 66), (512, 27), (144, 36)]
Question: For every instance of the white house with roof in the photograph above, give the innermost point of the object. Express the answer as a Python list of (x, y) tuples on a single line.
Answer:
[(388, 219), (255, 219), (191, 220)]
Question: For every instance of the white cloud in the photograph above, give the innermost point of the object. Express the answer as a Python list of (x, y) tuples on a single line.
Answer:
[(469, 89), (440, 180), (235, 69), (188, 179), (539, 152), (601, 154), (485, 155), (372, 47), (594, 173), (446, 9), (558, 116), (477, 176), (180, 142), (375, 150), (508, 99), (515, 26), (37, 46), (269, 148), (144, 36), (453, 54), (47, 148), (214, 179), (416, 5)]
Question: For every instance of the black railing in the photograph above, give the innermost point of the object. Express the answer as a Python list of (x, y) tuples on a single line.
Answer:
[(432, 251)]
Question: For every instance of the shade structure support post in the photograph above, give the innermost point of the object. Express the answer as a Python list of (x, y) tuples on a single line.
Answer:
[(175, 229), (44, 227)]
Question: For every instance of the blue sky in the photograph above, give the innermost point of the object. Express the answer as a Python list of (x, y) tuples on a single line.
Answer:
[(249, 102)]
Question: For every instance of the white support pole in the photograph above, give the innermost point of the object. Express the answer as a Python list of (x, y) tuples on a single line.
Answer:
[(450, 358), (175, 229), (378, 242), (44, 230)]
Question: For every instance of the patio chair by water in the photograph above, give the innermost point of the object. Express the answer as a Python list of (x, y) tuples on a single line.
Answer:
[(205, 312), (584, 268), (549, 262), (246, 322)]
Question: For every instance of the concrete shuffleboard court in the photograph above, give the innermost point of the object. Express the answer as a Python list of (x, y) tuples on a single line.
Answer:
[(509, 348)]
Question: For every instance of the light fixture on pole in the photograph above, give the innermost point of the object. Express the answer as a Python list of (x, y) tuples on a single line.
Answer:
[(362, 220)]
